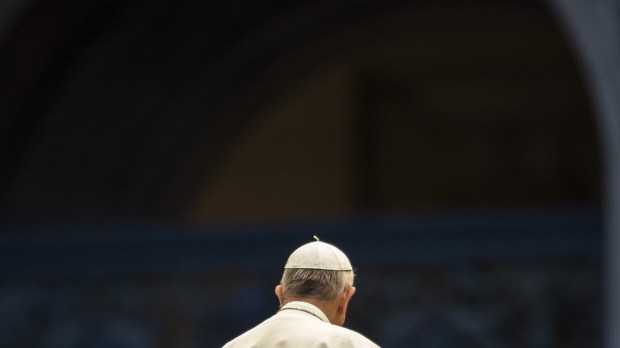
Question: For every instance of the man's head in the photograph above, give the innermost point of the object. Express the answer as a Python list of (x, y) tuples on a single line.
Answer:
[(321, 274)]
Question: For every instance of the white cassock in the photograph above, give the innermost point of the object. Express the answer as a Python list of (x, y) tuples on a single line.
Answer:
[(300, 325)]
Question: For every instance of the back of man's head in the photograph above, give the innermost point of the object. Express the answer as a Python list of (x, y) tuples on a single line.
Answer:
[(318, 284), (316, 270)]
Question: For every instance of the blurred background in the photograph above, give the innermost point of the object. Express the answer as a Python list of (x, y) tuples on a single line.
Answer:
[(159, 161)]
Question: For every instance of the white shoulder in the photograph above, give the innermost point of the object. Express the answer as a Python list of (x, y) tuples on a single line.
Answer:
[(351, 339)]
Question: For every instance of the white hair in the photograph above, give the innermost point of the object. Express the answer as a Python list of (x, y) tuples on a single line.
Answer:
[(318, 284)]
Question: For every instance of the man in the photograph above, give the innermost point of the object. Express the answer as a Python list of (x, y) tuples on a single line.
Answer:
[(314, 293)]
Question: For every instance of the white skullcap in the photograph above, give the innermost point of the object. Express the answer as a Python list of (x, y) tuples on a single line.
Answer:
[(319, 255)]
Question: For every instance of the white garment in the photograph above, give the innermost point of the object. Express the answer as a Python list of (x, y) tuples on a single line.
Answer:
[(300, 325)]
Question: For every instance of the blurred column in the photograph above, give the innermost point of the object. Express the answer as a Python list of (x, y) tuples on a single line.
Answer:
[(594, 28)]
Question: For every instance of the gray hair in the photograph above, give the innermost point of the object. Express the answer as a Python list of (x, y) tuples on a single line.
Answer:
[(318, 284)]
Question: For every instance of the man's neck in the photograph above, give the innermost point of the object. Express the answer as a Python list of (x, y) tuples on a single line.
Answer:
[(326, 307)]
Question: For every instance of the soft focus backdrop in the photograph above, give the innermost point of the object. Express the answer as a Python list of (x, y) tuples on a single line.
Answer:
[(160, 160)]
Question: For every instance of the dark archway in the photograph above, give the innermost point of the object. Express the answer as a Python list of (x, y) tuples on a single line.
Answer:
[(71, 154), (128, 108)]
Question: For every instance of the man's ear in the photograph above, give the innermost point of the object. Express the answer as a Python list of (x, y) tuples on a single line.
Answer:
[(278, 292), (343, 303), (346, 297)]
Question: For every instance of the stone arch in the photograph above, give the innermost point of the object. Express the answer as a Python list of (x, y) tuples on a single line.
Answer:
[(594, 30)]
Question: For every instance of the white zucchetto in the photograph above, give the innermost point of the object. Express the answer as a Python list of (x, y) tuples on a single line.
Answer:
[(319, 255)]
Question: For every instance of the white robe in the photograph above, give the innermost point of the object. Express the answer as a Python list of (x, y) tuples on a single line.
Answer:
[(300, 325)]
